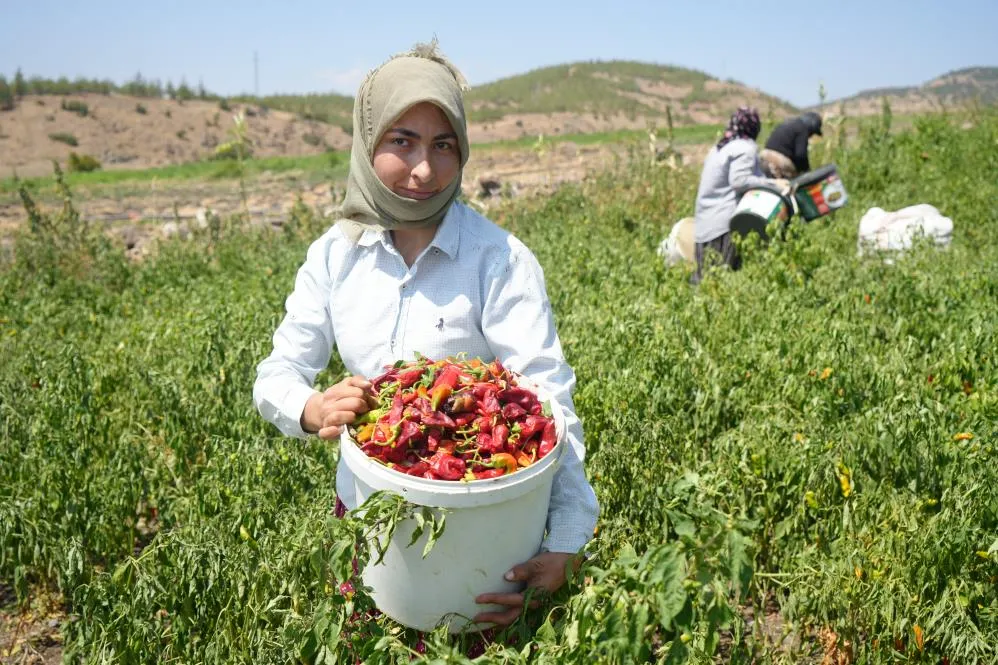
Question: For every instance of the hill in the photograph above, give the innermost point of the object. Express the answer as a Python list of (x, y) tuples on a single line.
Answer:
[(122, 131), (956, 88), (579, 97)]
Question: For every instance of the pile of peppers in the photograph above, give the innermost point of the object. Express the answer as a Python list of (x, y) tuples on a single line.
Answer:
[(453, 419)]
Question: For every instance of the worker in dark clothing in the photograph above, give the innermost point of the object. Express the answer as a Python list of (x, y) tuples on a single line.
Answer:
[(785, 155)]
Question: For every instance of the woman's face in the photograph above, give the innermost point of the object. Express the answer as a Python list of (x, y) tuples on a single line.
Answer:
[(418, 156)]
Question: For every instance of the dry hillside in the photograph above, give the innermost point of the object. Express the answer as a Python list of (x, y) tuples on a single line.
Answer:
[(954, 89), (128, 132)]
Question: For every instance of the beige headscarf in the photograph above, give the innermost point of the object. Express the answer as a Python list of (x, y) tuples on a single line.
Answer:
[(419, 75)]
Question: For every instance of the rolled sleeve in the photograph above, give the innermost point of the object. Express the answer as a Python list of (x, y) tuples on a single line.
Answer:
[(743, 174), (519, 326), (303, 343)]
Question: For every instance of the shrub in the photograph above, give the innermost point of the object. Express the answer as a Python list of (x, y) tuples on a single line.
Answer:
[(312, 139), (6, 95), (141, 110), (64, 137), (182, 135), (224, 105), (75, 106), (230, 150), (83, 163)]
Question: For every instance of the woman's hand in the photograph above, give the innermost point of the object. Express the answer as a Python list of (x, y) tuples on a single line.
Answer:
[(545, 572), (326, 413), (782, 185)]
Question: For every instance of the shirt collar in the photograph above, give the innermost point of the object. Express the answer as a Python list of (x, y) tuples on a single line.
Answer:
[(447, 238)]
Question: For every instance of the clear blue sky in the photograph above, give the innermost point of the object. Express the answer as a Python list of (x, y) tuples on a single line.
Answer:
[(783, 48)]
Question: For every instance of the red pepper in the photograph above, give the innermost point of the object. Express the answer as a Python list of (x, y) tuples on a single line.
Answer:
[(489, 404), (548, 439), (516, 395), (453, 419), (394, 452), (371, 450), (409, 376), (463, 419), (390, 375), (418, 469), (480, 390), (449, 377), (513, 411), (531, 425), (433, 436), (409, 432), (437, 418), (500, 433), (447, 466), (395, 415), (487, 443), (488, 473)]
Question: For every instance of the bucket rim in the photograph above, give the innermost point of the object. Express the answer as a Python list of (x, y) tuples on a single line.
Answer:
[(455, 493), (446, 493), (816, 175), (769, 189)]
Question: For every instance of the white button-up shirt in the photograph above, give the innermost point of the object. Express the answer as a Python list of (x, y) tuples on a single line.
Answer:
[(476, 289)]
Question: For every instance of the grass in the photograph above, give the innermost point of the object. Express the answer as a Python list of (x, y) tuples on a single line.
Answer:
[(682, 136), (332, 163)]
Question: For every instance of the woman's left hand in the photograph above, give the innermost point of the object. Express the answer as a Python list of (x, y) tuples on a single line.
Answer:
[(545, 572)]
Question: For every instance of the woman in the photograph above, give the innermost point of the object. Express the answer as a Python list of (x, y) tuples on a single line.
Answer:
[(409, 269), (731, 168)]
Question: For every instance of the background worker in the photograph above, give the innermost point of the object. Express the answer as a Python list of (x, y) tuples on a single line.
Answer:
[(731, 168), (785, 154)]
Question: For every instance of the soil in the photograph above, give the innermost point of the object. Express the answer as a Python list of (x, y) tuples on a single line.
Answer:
[(137, 212), (29, 635)]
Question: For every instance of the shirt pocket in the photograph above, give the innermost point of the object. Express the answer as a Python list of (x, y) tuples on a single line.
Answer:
[(444, 325)]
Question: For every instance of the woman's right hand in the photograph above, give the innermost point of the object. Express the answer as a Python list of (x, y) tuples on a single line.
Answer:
[(326, 413)]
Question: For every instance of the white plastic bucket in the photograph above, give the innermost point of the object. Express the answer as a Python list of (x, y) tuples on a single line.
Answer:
[(757, 208), (490, 526)]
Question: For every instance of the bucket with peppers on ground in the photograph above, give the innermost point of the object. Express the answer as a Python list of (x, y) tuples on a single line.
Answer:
[(476, 441)]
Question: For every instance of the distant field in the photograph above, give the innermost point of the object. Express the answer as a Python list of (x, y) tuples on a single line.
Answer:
[(332, 163)]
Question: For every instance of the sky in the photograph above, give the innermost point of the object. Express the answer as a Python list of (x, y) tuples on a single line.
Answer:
[(786, 49)]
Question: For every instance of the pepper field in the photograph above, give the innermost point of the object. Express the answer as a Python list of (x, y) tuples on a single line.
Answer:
[(795, 462)]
